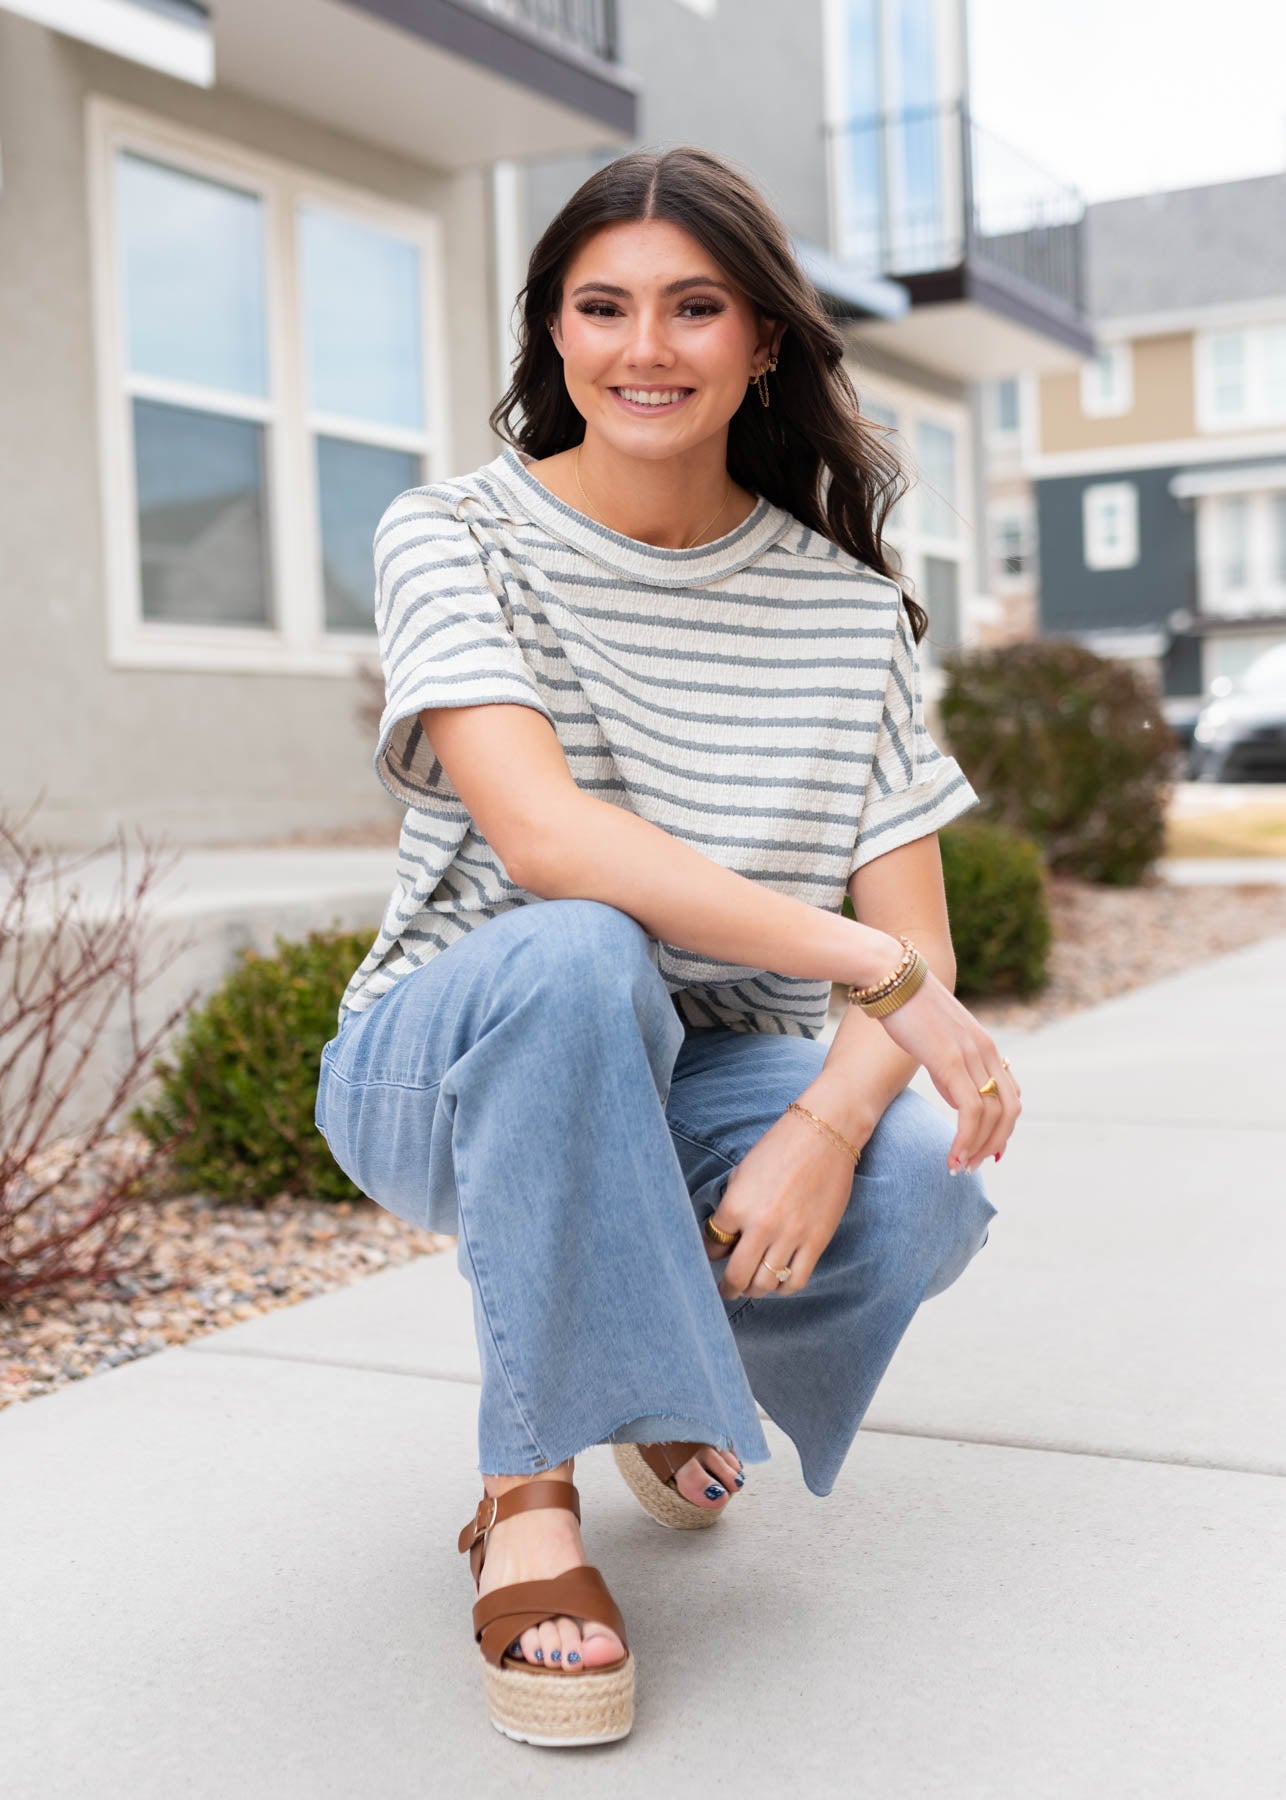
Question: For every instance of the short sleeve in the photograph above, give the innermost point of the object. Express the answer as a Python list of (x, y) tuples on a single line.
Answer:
[(914, 788), (444, 640)]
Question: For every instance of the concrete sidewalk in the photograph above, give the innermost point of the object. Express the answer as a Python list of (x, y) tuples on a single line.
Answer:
[(1055, 1563)]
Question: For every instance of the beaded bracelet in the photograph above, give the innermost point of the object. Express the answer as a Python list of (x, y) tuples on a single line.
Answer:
[(884, 997)]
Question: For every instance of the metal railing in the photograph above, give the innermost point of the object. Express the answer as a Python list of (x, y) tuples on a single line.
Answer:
[(585, 25), (928, 188)]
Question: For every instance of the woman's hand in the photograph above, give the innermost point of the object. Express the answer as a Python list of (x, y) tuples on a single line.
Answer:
[(960, 1056), (786, 1196)]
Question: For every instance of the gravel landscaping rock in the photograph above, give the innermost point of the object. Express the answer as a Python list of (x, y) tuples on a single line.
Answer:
[(207, 1264)]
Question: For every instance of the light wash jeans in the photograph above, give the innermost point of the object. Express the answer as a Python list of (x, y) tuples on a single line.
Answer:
[(534, 1090)]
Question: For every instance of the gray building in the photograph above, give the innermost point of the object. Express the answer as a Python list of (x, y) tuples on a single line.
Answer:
[(257, 269)]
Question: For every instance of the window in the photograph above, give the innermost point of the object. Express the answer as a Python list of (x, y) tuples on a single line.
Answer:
[(1241, 377), (270, 381), (1006, 403), (1110, 525), (1107, 382), (1013, 542), (1241, 550), (936, 481)]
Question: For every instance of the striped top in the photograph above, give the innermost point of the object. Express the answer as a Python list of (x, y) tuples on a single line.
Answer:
[(757, 697)]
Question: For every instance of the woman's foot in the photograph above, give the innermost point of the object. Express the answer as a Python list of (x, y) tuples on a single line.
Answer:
[(710, 1477), (535, 1546)]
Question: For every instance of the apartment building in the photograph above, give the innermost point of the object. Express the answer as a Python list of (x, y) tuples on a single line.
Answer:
[(1139, 504), (257, 271)]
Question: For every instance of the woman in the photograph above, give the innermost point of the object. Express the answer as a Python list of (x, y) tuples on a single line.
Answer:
[(646, 669)]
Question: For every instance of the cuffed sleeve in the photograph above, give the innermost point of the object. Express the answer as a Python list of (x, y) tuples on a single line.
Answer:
[(914, 788), (444, 640)]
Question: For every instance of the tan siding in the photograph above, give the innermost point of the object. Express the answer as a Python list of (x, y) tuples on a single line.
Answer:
[(1164, 401)]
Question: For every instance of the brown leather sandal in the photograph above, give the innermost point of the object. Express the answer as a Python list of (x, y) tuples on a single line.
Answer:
[(650, 1470), (534, 1702)]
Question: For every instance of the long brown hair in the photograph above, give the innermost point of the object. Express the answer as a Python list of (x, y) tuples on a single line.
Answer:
[(813, 428)]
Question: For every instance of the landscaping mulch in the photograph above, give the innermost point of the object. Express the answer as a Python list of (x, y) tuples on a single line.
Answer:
[(209, 1263)]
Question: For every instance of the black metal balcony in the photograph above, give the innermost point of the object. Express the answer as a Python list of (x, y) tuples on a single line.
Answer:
[(588, 26), (926, 191)]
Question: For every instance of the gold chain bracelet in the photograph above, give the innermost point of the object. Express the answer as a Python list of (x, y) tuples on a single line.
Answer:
[(828, 1129)]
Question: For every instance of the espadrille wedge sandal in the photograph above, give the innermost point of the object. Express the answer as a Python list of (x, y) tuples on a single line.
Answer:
[(531, 1702), (649, 1471)]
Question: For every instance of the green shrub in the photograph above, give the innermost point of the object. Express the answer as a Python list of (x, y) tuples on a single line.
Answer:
[(1069, 747), (240, 1082), (999, 911)]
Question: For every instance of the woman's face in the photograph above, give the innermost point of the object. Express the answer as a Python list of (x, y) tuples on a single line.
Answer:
[(646, 308)]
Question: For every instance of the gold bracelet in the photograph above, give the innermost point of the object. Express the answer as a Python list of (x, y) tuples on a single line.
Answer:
[(828, 1129), (884, 997)]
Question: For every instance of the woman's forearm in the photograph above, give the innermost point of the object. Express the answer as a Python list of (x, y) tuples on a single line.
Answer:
[(597, 851)]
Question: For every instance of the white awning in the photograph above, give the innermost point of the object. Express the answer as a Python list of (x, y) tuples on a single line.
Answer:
[(171, 35), (1244, 478)]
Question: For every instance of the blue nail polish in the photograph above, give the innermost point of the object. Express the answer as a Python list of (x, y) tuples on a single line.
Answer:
[(740, 1481), (515, 1649), (540, 1656), (573, 1656), (715, 1491), (555, 1656)]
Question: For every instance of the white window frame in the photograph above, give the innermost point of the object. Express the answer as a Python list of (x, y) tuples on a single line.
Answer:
[(1263, 594), (299, 643), (1256, 410), (1110, 398), (1020, 513), (1095, 500), (903, 531)]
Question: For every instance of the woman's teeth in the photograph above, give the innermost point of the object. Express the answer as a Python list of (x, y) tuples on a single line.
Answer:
[(640, 396)]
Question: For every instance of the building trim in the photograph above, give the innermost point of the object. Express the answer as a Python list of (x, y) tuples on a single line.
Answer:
[(1108, 458)]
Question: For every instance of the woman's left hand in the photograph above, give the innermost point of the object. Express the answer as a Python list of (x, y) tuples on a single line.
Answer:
[(786, 1196)]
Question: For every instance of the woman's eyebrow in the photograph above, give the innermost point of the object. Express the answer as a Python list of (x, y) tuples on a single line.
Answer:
[(674, 287)]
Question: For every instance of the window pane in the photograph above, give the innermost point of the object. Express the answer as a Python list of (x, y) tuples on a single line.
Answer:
[(1278, 563), (355, 484), (1007, 404), (1227, 356), (936, 445), (1275, 370), (918, 138), (861, 146), (192, 264), (201, 501), (941, 600), (361, 291), (1233, 522)]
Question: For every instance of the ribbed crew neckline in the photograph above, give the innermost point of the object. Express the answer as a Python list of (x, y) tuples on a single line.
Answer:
[(630, 556)]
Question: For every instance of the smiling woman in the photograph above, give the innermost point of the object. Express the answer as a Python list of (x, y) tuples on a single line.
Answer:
[(653, 706)]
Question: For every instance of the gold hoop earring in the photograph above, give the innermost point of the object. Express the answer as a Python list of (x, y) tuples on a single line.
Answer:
[(761, 380)]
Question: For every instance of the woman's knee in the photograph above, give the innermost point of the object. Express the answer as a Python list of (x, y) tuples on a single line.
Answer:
[(940, 1218), (586, 952)]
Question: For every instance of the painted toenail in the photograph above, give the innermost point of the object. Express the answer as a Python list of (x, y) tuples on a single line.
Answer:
[(540, 1656), (555, 1656), (573, 1656), (715, 1492), (515, 1649), (740, 1481)]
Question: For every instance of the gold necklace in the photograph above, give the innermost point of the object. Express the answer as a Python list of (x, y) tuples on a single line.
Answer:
[(593, 515)]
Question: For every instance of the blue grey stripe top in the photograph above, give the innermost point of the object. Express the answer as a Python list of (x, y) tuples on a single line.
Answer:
[(757, 697)]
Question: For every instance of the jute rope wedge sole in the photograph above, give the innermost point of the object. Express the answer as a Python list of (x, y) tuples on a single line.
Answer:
[(649, 1471), (530, 1702)]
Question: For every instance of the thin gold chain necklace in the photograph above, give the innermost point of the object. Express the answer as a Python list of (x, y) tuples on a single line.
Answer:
[(593, 515)]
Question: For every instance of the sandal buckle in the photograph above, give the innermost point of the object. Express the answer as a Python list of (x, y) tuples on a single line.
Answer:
[(479, 1529)]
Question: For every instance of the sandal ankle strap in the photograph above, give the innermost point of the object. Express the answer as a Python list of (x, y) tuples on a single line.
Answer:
[(494, 1507)]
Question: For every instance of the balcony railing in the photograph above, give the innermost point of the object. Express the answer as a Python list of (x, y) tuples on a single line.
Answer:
[(585, 25), (927, 189)]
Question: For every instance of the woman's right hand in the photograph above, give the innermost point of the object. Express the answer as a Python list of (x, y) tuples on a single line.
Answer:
[(959, 1055)]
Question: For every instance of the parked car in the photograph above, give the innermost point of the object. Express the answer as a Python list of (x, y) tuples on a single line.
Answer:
[(1240, 734)]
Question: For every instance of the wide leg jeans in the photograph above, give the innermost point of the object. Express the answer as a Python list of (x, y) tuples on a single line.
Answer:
[(533, 1090)]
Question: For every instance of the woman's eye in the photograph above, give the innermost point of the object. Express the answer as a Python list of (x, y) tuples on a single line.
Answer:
[(604, 308)]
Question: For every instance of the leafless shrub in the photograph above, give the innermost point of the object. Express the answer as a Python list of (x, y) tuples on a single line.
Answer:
[(69, 969)]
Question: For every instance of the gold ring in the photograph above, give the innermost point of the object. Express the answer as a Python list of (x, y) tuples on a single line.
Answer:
[(989, 1086), (717, 1235), (781, 1274)]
